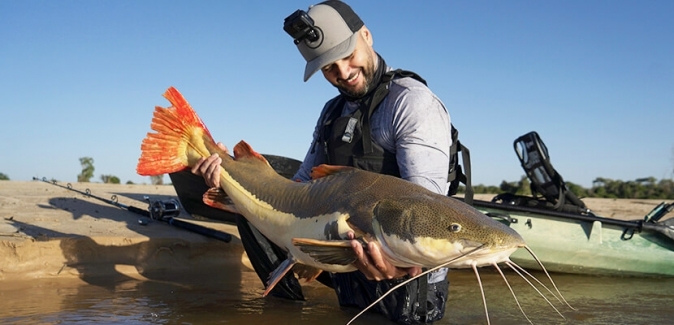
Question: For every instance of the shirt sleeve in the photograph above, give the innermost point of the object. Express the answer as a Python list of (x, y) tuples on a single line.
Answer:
[(313, 158), (419, 133)]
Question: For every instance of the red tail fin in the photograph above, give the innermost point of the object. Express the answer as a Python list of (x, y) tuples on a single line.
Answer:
[(166, 151)]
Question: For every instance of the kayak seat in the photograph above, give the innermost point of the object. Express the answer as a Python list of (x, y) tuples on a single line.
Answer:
[(548, 188)]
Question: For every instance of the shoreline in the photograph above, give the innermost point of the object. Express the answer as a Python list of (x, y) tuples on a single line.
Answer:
[(50, 232)]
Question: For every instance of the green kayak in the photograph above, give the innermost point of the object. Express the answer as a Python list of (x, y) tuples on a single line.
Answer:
[(589, 244)]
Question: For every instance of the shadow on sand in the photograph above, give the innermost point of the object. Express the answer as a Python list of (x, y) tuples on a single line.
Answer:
[(156, 251)]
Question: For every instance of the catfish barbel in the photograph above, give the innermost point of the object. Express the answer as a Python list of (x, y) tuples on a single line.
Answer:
[(310, 220)]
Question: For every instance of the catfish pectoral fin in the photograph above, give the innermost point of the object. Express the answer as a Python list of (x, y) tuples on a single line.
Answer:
[(217, 198), (278, 274), (337, 252)]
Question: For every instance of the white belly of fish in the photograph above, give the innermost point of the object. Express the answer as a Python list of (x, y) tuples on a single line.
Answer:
[(281, 227)]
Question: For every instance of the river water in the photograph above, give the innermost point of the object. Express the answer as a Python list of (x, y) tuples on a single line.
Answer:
[(234, 296)]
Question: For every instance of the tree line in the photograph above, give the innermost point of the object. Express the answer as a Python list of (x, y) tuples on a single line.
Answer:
[(87, 173), (642, 188)]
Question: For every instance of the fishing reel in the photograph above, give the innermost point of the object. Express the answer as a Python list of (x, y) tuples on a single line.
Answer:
[(163, 209)]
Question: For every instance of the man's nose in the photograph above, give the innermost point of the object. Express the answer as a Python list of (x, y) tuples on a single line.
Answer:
[(343, 69)]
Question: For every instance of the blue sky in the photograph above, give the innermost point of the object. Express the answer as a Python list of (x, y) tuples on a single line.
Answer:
[(594, 78)]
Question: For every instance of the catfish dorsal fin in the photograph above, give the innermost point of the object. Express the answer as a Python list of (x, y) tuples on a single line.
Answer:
[(244, 150), (326, 170)]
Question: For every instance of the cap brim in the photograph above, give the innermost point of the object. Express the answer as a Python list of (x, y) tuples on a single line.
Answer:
[(339, 51)]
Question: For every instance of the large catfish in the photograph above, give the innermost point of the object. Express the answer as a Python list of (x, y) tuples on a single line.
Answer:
[(310, 220)]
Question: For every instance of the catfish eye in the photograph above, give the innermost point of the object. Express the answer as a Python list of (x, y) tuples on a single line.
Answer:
[(455, 227)]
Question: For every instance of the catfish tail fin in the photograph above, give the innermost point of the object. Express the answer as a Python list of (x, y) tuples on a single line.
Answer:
[(181, 138)]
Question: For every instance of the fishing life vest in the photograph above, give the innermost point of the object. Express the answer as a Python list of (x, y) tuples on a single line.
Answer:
[(347, 139)]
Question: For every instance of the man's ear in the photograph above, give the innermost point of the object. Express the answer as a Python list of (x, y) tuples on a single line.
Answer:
[(366, 35)]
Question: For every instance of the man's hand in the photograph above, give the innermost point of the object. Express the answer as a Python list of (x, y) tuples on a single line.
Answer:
[(374, 265), (209, 167)]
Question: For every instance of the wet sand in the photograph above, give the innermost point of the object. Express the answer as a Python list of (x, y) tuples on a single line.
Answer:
[(68, 258)]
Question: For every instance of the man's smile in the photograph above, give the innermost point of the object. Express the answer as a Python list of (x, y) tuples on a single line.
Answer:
[(352, 80)]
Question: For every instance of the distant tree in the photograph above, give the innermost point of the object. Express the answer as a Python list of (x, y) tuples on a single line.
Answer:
[(576, 189), (3, 177), (129, 183), (157, 179), (87, 169), (523, 187), (666, 187), (640, 188), (481, 189), (646, 180), (509, 187), (110, 179)]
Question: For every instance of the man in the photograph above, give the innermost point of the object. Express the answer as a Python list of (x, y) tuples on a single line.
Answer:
[(405, 132)]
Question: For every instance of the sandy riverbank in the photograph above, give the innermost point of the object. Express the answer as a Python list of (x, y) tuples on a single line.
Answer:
[(50, 232)]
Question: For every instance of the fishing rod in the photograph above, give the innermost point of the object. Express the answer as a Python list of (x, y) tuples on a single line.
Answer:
[(161, 210)]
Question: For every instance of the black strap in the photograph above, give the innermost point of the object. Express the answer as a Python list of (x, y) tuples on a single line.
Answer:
[(379, 94), (465, 177), (456, 174), (331, 113), (265, 257), (422, 296)]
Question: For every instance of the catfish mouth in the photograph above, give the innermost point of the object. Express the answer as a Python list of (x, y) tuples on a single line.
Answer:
[(429, 252), (482, 254), (490, 257)]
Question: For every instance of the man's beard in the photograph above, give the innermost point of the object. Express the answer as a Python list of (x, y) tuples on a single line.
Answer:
[(367, 74)]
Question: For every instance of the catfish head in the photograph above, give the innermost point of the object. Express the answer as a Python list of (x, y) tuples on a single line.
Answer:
[(433, 230)]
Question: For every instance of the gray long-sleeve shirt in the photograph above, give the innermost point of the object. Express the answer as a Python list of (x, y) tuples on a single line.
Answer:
[(410, 122)]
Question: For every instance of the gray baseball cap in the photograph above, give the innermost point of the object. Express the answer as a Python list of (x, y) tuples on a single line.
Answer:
[(337, 28)]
